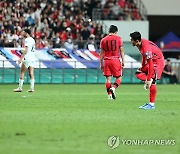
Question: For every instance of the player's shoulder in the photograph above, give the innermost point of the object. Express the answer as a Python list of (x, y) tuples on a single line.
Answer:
[(31, 39), (26, 39), (104, 38), (145, 41), (118, 38)]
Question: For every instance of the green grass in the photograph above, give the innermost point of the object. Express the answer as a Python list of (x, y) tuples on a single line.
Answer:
[(79, 119)]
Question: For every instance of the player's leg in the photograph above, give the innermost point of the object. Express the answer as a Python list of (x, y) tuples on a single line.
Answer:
[(153, 89), (116, 85), (116, 70), (117, 82), (152, 97), (108, 86), (173, 79), (141, 74), (21, 79), (107, 74), (152, 92), (31, 75)]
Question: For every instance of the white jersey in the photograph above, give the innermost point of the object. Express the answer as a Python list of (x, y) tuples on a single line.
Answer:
[(30, 43)]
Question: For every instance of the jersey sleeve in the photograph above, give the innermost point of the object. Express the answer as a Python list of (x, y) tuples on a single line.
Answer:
[(148, 55), (143, 61), (150, 69)]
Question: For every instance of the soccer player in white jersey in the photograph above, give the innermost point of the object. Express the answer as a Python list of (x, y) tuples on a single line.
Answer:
[(28, 60)]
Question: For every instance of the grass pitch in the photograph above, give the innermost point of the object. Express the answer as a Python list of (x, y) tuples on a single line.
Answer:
[(78, 119)]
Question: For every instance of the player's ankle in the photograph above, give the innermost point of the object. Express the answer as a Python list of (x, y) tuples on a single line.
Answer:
[(152, 103)]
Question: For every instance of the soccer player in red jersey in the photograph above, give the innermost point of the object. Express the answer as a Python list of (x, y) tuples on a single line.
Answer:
[(152, 66), (110, 53)]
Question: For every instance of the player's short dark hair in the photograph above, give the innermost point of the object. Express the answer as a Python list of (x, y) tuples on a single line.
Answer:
[(168, 60), (113, 29), (135, 36), (27, 31)]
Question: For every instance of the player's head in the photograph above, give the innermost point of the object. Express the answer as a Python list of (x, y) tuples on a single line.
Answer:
[(113, 29), (168, 61), (135, 38), (27, 32)]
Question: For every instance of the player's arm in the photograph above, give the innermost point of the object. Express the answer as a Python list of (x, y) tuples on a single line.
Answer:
[(122, 55), (143, 63), (148, 57), (148, 81), (101, 58), (166, 72), (150, 69), (23, 55)]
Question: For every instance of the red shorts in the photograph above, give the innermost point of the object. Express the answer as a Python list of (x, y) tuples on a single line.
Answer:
[(112, 67), (158, 69)]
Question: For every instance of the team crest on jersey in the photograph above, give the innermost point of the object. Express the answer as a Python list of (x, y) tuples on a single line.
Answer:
[(148, 56)]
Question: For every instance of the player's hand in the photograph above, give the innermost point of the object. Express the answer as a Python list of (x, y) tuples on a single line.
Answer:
[(19, 61), (122, 64), (140, 69), (101, 67), (169, 73), (148, 84)]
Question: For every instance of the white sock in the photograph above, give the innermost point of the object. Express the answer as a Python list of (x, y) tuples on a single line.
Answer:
[(21, 83), (152, 104), (110, 96), (113, 88), (32, 84)]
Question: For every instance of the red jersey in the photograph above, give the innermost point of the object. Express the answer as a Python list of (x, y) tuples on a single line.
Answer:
[(149, 50), (153, 57), (111, 44)]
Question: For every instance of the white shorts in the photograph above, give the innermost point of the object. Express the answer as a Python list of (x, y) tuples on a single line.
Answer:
[(28, 63)]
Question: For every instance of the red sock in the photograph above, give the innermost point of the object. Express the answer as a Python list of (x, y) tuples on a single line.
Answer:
[(141, 76), (108, 86), (117, 83), (152, 94)]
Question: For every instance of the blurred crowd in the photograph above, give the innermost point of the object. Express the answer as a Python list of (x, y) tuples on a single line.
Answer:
[(120, 10), (55, 23)]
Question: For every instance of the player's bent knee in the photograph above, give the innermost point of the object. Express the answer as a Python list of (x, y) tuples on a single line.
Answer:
[(141, 76), (137, 75)]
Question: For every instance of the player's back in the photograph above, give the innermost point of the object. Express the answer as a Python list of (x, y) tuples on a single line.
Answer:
[(153, 48), (111, 44)]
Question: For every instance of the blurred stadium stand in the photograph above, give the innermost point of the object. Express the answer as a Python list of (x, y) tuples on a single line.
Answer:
[(54, 21)]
